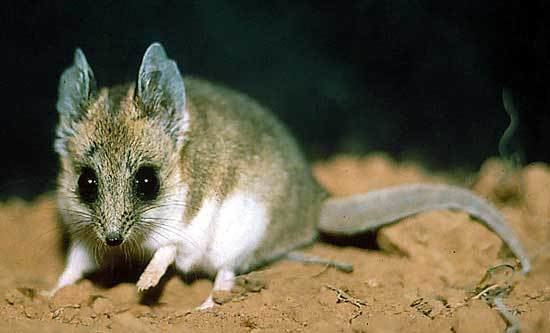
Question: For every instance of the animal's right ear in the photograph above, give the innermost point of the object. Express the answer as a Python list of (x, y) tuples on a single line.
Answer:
[(76, 85)]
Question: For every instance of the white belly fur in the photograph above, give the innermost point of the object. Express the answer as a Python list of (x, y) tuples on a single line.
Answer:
[(221, 235)]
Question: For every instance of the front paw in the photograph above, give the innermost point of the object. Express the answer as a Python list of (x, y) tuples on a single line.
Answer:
[(148, 279)]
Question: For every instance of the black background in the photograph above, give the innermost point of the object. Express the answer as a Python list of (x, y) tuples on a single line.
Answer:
[(419, 79)]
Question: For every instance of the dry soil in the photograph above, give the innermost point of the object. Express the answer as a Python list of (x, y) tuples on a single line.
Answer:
[(422, 274)]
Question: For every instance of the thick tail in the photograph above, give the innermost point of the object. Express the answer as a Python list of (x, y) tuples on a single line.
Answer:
[(369, 211)]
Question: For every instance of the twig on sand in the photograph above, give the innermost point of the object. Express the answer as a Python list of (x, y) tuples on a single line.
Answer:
[(342, 296), (493, 287)]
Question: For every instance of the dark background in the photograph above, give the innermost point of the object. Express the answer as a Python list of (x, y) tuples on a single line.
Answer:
[(419, 79)]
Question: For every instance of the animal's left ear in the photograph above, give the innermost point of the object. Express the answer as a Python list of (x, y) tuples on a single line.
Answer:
[(161, 92)]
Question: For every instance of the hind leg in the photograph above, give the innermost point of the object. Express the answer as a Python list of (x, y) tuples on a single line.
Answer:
[(225, 280), (310, 259)]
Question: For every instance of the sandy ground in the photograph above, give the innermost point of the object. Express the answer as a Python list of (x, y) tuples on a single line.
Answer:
[(418, 275)]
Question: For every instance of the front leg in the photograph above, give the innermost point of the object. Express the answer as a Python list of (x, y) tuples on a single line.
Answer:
[(79, 262), (156, 268)]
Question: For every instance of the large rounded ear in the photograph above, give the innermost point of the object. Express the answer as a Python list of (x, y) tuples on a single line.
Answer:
[(76, 85), (161, 92)]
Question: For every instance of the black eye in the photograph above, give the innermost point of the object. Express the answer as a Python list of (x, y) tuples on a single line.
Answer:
[(87, 185), (146, 183)]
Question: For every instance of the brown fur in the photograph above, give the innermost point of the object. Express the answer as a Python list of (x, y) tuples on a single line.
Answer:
[(232, 144), (235, 144)]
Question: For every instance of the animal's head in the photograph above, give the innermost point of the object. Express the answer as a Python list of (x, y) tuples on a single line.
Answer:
[(119, 149)]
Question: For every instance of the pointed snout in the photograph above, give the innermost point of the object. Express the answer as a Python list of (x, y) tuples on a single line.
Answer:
[(113, 238)]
